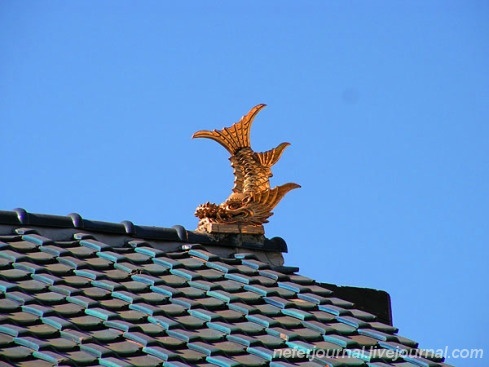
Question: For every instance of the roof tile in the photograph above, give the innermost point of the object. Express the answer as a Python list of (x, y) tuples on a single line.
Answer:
[(140, 305)]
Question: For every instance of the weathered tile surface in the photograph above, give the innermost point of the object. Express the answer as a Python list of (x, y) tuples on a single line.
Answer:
[(82, 302)]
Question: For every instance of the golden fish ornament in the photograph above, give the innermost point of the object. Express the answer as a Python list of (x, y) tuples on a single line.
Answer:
[(252, 199)]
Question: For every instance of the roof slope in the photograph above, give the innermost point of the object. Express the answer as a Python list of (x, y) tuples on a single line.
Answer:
[(77, 300)]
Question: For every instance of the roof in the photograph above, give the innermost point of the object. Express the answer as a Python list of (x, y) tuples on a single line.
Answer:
[(75, 292)]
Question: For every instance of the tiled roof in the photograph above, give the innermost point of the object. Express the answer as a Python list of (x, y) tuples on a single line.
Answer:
[(71, 296)]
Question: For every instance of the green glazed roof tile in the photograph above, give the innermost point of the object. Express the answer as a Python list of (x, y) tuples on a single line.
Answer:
[(114, 362), (264, 280), (42, 330), (68, 310), (243, 339), (96, 350), (255, 264), (23, 318), (106, 284), (204, 255), (32, 286), (223, 296), (37, 239), (262, 320), (57, 322), (171, 342), (22, 246), (96, 293), (6, 340), (210, 275), (240, 278), (31, 343), (359, 314), (165, 322), (8, 305), (307, 334), (101, 313), (49, 298), (298, 314), (146, 308), (30, 267), (364, 341), (86, 322), (282, 333), (340, 340), (242, 308), (107, 335), (222, 361), (221, 266), (288, 321), (167, 262), (53, 250), (243, 269), (250, 360), (121, 325), (14, 274), (229, 348), (204, 285), (223, 327), (191, 292), (282, 292), (229, 285), (82, 358), (21, 298), (124, 348), (248, 297), (190, 322), (16, 353), (343, 329), (82, 301), (144, 361), (327, 346), (113, 304), (203, 348), (261, 352), (173, 309), (334, 310), (76, 336), (230, 315), (139, 338), (260, 290), (278, 302), (99, 263), (32, 363)]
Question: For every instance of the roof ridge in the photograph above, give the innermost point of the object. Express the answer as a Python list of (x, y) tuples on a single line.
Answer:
[(177, 233)]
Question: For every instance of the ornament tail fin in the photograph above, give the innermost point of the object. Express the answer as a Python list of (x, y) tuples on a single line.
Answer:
[(270, 157), (235, 137)]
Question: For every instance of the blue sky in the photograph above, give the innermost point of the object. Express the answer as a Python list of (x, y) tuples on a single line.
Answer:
[(385, 104)]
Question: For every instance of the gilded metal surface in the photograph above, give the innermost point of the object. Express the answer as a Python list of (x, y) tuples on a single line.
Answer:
[(252, 199)]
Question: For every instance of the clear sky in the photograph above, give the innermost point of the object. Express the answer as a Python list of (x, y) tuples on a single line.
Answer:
[(385, 104)]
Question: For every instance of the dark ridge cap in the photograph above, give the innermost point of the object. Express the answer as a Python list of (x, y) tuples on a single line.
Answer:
[(9, 218), (129, 226), (181, 232), (156, 233), (32, 219), (285, 269), (276, 244), (105, 227), (202, 238), (22, 215), (370, 300), (77, 220), (177, 233)]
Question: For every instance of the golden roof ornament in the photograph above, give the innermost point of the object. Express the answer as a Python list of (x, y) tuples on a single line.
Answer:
[(252, 199)]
